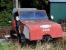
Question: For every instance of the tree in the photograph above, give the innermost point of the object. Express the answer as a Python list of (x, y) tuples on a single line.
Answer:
[(6, 7), (39, 4), (6, 11)]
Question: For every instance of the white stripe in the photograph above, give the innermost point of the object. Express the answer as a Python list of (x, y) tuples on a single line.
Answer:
[(45, 26)]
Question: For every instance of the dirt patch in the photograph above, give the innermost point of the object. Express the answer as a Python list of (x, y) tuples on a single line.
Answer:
[(4, 30)]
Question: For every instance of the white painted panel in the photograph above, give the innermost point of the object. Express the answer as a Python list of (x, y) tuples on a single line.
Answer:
[(45, 26), (26, 32), (57, 0)]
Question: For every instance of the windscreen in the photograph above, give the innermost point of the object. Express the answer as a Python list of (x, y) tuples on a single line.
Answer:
[(32, 15)]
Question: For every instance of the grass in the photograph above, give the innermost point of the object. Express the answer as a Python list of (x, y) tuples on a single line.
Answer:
[(7, 46), (15, 46), (12, 46)]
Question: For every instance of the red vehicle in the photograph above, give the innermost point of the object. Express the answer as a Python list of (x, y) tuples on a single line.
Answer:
[(34, 25)]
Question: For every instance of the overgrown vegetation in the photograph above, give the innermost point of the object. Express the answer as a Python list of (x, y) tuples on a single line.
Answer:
[(5, 12), (15, 46), (6, 7)]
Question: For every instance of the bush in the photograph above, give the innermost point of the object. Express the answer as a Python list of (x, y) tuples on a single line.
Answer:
[(6, 12)]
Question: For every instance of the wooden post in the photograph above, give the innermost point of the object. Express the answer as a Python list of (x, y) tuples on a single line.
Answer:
[(16, 4)]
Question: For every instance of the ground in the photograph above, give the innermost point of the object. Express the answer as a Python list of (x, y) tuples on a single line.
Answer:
[(8, 45), (5, 45)]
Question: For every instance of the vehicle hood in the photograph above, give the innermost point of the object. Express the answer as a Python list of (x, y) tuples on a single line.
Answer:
[(42, 27), (37, 22)]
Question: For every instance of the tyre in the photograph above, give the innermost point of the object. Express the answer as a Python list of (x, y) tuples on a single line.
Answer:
[(22, 40), (47, 38)]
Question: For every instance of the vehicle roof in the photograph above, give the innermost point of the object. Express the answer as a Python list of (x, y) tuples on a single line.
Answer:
[(57, 0), (23, 9), (32, 11)]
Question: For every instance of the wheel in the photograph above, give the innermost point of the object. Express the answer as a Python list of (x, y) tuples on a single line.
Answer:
[(46, 42), (22, 40), (32, 44), (47, 38)]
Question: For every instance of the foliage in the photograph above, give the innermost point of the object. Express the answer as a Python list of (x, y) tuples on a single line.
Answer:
[(39, 3), (5, 13), (6, 7)]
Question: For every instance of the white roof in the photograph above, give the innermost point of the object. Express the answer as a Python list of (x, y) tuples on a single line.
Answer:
[(26, 9), (57, 0), (23, 9)]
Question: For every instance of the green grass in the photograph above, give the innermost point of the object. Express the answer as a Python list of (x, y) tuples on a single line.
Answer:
[(7, 46), (12, 46)]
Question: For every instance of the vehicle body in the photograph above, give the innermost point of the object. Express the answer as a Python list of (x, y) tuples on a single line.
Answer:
[(34, 25)]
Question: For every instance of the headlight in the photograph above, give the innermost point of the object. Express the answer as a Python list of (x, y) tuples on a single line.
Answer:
[(26, 32), (17, 18), (52, 17)]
